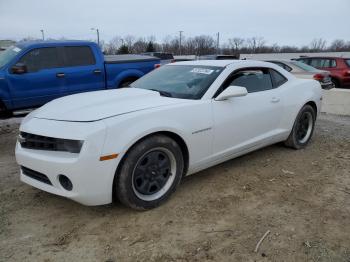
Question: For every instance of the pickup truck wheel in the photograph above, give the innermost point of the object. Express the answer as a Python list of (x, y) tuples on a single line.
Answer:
[(303, 128), (4, 113), (127, 82), (150, 173)]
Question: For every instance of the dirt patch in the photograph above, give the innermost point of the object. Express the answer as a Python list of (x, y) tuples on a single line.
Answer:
[(302, 197)]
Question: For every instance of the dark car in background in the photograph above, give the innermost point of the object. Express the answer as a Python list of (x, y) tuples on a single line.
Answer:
[(165, 58), (338, 67), (218, 57), (301, 70)]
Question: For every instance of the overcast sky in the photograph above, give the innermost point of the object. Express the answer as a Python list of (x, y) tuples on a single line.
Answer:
[(293, 22)]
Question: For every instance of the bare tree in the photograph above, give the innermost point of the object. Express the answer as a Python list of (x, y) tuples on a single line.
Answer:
[(112, 47), (317, 45), (129, 41), (338, 45), (236, 43), (255, 43), (205, 45), (139, 46)]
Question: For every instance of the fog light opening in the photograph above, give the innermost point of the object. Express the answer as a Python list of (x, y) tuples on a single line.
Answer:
[(65, 182)]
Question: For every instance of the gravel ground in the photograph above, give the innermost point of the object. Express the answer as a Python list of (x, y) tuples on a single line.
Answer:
[(302, 197)]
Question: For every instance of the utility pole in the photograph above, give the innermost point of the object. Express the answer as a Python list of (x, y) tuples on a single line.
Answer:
[(98, 35), (180, 40), (218, 43), (42, 34)]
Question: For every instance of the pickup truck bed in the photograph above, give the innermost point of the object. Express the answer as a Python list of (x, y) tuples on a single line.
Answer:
[(117, 59)]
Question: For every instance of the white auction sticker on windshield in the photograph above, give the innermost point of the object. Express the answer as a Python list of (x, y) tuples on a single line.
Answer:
[(202, 71), (16, 49)]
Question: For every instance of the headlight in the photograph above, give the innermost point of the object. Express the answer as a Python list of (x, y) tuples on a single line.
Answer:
[(73, 146), (32, 141)]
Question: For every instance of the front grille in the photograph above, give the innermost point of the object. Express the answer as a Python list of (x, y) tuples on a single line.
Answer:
[(36, 175), (32, 141)]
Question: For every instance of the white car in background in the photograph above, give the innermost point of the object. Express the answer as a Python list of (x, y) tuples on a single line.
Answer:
[(135, 144)]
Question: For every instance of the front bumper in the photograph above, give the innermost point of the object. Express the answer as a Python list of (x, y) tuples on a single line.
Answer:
[(327, 86), (92, 179)]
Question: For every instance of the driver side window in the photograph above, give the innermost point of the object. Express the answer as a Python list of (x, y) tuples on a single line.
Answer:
[(254, 79), (41, 58)]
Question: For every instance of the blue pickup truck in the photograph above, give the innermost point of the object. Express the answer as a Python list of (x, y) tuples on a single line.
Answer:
[(34, 73)]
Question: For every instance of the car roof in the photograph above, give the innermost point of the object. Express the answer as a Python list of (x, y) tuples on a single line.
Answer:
[(223, 63), (25, 44), (322, 57), (278, 60)]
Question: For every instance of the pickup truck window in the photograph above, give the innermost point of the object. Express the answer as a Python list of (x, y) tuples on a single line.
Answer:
[(41, 58), (79, 56)]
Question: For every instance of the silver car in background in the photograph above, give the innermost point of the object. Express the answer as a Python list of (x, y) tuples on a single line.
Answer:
[(302, 70)]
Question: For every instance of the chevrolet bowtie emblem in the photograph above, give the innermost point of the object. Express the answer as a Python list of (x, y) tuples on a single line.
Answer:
[(21, 139)]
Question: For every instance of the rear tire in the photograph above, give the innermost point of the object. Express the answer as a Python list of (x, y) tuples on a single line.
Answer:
[(303, 128), (150, 172), (335, 83), (127, 82)]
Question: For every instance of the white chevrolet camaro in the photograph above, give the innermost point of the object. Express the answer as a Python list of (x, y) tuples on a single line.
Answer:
[(135, 144)]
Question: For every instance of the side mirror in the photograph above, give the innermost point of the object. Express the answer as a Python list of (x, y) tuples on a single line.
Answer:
[(232, 91), (19, 69)]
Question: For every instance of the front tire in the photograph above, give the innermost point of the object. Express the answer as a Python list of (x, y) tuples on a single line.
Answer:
[(150, 172), (4, 113), (303, 128)]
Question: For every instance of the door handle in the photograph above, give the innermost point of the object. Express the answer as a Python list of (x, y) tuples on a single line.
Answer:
[(60, 75), (275, 100), (97, 71)]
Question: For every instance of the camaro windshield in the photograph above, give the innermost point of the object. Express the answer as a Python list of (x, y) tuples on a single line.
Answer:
[(7, 55), (180, 81)]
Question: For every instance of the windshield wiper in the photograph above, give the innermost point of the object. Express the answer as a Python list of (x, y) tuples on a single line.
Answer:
[(162, 93)]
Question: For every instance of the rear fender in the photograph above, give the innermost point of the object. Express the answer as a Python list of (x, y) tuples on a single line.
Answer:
[(131, 73)]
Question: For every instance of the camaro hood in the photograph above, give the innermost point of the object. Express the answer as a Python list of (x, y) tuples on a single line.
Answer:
[(93, 106)]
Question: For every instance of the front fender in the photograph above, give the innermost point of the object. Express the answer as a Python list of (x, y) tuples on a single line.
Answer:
[(120, 138), (191, 121)]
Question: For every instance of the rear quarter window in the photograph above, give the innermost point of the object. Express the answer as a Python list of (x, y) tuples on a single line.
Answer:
[(79, 56), (277, 78), (304, 60)]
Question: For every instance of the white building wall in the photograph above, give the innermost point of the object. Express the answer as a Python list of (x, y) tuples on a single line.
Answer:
[(289, 56)]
